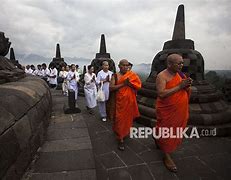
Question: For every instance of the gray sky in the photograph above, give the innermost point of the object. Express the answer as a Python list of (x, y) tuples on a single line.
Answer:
[(134, 29)]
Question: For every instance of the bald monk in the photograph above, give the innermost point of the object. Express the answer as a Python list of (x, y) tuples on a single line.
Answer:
[(126, 109), (172, 105)]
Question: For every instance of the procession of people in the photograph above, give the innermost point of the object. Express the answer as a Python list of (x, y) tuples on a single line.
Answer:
[(115, 95)]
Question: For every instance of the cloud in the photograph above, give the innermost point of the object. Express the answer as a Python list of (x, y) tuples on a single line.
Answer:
[(134, 29)]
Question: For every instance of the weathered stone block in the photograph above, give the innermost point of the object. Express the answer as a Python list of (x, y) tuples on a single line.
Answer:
[(9, 150), (19, 167), (10, 102), (41, 109), (35, 143), (23, 93), (34, 118), (6, 119), (22, 130)]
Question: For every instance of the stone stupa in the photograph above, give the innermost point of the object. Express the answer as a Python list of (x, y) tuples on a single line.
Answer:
[(207, 108), (102, 56), (13, 59), (58, 60)]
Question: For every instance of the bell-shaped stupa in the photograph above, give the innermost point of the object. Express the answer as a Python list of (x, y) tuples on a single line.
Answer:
[(103, 56), (58, 60), (207, 108)]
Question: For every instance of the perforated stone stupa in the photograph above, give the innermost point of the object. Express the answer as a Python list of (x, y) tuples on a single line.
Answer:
[(58, 60), (207, 108), (103, 56)]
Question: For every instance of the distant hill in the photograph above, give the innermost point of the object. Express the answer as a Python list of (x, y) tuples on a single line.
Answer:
[(35, 59), (221, 73), (31, 59), (77, 60), (142, 68)]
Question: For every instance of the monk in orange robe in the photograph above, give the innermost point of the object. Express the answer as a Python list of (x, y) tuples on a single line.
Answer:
[(172, 105), (126, 108)]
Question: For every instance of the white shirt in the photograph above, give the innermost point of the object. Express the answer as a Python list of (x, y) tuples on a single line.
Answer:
[(28, 71), (72, 82), (87, 79), (45, 72), (53, 72), (63, 74), (79, 71), (102, 76), (34, 72), (39, 72)]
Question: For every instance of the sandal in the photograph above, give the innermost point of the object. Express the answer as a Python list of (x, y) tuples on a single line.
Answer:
[(121, 146), (171, 167)]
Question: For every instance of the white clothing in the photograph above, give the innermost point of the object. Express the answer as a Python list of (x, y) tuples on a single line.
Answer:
[(34, 72), (79, 71), (46, 73), (102, 109), (39, 72), (63, 74), (102, 76), (28, 71), (90, 90), (72, 83), (53, 72)]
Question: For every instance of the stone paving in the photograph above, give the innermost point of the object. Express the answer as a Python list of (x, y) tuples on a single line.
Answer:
[(81, 146), (67, 152), (196, 159)]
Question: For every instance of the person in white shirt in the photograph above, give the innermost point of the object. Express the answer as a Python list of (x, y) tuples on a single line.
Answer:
[(45, 73), (33, 72), (103, 78), (73, 78), (38, 71), (63, 74), (90, 89), (53, 76), (28, 70), (78, 69)]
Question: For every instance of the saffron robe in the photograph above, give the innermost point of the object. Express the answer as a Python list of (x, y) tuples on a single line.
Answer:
[(172, 112), (126, 105)]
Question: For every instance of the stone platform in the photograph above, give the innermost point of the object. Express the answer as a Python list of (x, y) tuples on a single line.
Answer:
[(83, 147), (67, 152)]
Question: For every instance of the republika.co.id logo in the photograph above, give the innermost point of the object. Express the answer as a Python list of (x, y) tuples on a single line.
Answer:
[(170, 132)]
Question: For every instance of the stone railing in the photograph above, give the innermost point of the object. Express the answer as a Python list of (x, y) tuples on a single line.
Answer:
[(25, 110)]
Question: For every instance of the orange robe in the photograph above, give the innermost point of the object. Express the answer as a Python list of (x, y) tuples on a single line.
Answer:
[(126, 105), (172, 111)]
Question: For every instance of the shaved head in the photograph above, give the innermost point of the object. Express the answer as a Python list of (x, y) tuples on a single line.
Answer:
[(175, 62), (123, 61), (123, 65), (172, 58), (104, 63)]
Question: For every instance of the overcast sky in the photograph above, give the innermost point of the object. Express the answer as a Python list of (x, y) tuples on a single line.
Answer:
[(134, 29)]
